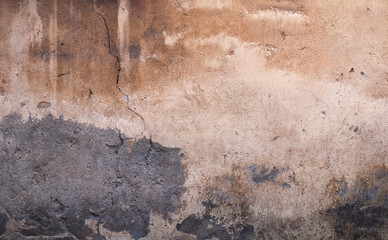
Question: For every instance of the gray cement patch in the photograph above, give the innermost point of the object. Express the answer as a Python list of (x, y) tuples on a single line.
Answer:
[(56, 173)]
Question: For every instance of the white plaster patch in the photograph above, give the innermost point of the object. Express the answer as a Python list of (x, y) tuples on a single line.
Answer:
[(276, 14), (213, 63), (225, 42), (36, 24), (214, 4), (170, 40)]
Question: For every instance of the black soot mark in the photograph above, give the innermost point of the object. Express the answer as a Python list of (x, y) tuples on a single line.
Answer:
[(56, 173), (134, 51), (260, 174), (363, 212), (3, 223), (208, 227)]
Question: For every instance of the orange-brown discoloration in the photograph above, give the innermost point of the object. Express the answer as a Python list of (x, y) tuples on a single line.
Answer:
[(300, 39)]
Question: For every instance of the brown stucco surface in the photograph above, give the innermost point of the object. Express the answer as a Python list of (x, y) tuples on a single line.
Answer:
[(184, 119)]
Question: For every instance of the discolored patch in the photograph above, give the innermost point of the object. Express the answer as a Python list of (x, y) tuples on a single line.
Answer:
[(204, 228), (209, 227), (261, 174), (363, 212), (134, 51), (44, 105), (226, 216), (338, 187), (55, 174), (357, 220), (3, 223)]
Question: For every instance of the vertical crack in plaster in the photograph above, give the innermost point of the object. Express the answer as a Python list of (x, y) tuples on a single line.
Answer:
[(149, 151), (111, 53), (123, 16)]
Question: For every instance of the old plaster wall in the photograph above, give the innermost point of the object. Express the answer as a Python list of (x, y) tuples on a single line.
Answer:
[(193, 119)]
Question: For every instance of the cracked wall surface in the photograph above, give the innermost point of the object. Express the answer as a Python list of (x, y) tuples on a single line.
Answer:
[(65, 173), (183, 119)]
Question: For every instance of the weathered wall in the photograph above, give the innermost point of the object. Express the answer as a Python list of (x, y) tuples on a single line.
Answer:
[(193, 119)]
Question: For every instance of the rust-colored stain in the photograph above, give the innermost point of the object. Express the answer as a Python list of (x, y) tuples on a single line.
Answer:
[(44, 105)]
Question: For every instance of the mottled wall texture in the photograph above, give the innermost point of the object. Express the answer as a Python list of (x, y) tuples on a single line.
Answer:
[(193, 119)]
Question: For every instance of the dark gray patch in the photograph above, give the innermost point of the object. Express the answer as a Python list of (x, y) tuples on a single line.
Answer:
[(55, 174), (357, 220), (260, 174), (227, 209), (286, 185), (3, 223), (246, 233), (363, 212), (134, 51), (208, 227), (381, 173), (227, 226), (204, 228)]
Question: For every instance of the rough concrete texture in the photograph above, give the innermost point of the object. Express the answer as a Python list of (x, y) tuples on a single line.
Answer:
[(56, 174), (193, 119)]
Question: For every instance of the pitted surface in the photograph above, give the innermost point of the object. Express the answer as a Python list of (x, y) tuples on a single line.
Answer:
[(55, 174)]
